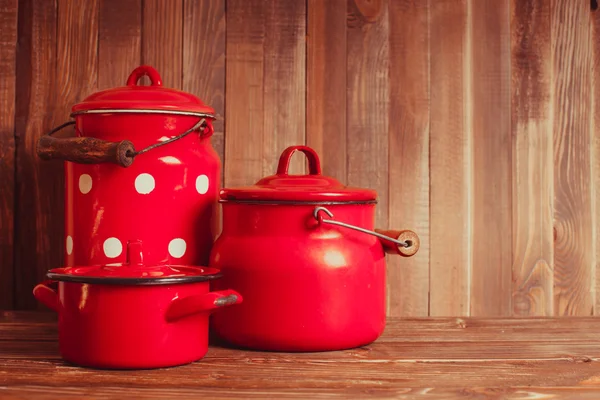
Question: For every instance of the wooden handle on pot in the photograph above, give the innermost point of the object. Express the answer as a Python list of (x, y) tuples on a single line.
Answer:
[(409, 237), (85, 150)]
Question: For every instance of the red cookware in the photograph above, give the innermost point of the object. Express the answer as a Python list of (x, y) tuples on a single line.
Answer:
[(141, 165), (133, 315), (303, 251)]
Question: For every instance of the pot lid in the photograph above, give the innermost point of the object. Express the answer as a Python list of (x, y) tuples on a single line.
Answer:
[(310, 188), (133, 272), (137, 98)]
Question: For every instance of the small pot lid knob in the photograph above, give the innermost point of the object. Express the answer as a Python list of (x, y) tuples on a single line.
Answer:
[(135, 254)]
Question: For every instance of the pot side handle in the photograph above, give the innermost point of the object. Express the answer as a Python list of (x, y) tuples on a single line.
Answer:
[(207, 302), (406, 236), (47, 295)]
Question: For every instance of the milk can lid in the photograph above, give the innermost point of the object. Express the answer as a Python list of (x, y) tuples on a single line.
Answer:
[(154, 98)]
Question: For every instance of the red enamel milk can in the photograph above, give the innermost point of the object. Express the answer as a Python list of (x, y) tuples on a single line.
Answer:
[(141, 165), (304, 252)]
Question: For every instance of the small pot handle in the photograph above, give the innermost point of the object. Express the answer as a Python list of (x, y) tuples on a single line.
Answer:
[(187, 306), (405, 243), (46, 294), (314, 165)]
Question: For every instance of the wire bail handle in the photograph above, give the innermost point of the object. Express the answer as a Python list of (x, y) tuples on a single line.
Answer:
[(405, 243)]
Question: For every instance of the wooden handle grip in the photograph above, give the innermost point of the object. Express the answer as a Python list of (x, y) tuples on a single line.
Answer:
[(403, 236), (85, 150)]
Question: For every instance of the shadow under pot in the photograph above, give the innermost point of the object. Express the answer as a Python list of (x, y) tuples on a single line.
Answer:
[(304, 252), (133, 316)]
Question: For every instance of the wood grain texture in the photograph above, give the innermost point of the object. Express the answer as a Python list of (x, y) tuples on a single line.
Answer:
[(531, 125), (595, 20), (244, 108), (75, 78), (368, 102), (381, 392), (284, 91), (491, 158), (523, 358), (326, 84), (265, 87), (119, 41), (204, 60), (39, 196), (450, 159), (513, 89), (8, 77), (162, 22), (574, 252), (408, 164)]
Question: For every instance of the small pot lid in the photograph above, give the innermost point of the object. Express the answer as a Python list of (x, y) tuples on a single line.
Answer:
[(134, 272), (137, 98), (311, 188)]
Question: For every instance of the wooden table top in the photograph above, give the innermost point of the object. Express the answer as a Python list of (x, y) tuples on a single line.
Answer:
[(433, 358)]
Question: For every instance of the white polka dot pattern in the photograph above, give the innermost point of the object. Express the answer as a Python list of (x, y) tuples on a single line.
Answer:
[(144, 183), (69, 244), (112, 247), (177, 248), (202, 184), (85, 183)]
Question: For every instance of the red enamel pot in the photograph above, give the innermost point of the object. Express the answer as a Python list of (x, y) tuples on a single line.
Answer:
[(131, 315), (304, 251)]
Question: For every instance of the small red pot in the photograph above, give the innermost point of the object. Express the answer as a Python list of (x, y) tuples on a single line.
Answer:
[(133, 316), (304, 251)]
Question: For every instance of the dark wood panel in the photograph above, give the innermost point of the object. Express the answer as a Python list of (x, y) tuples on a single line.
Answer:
[(284, 90), (408, 278), (574, 254), (76, 77), (595, 18), (119, 41), (492, 166), (244, 106), (8, 77), (368, 102), (39, 223), (326, 84), (450, 159), (204, 31), (162, 39), (532, 177)]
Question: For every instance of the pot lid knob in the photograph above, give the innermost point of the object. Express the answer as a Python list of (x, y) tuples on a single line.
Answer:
[(311, 187), (135, 255), (141, 71), (314, 165)]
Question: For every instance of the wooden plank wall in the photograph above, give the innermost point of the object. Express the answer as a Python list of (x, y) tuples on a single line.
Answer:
[(474, 120)]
